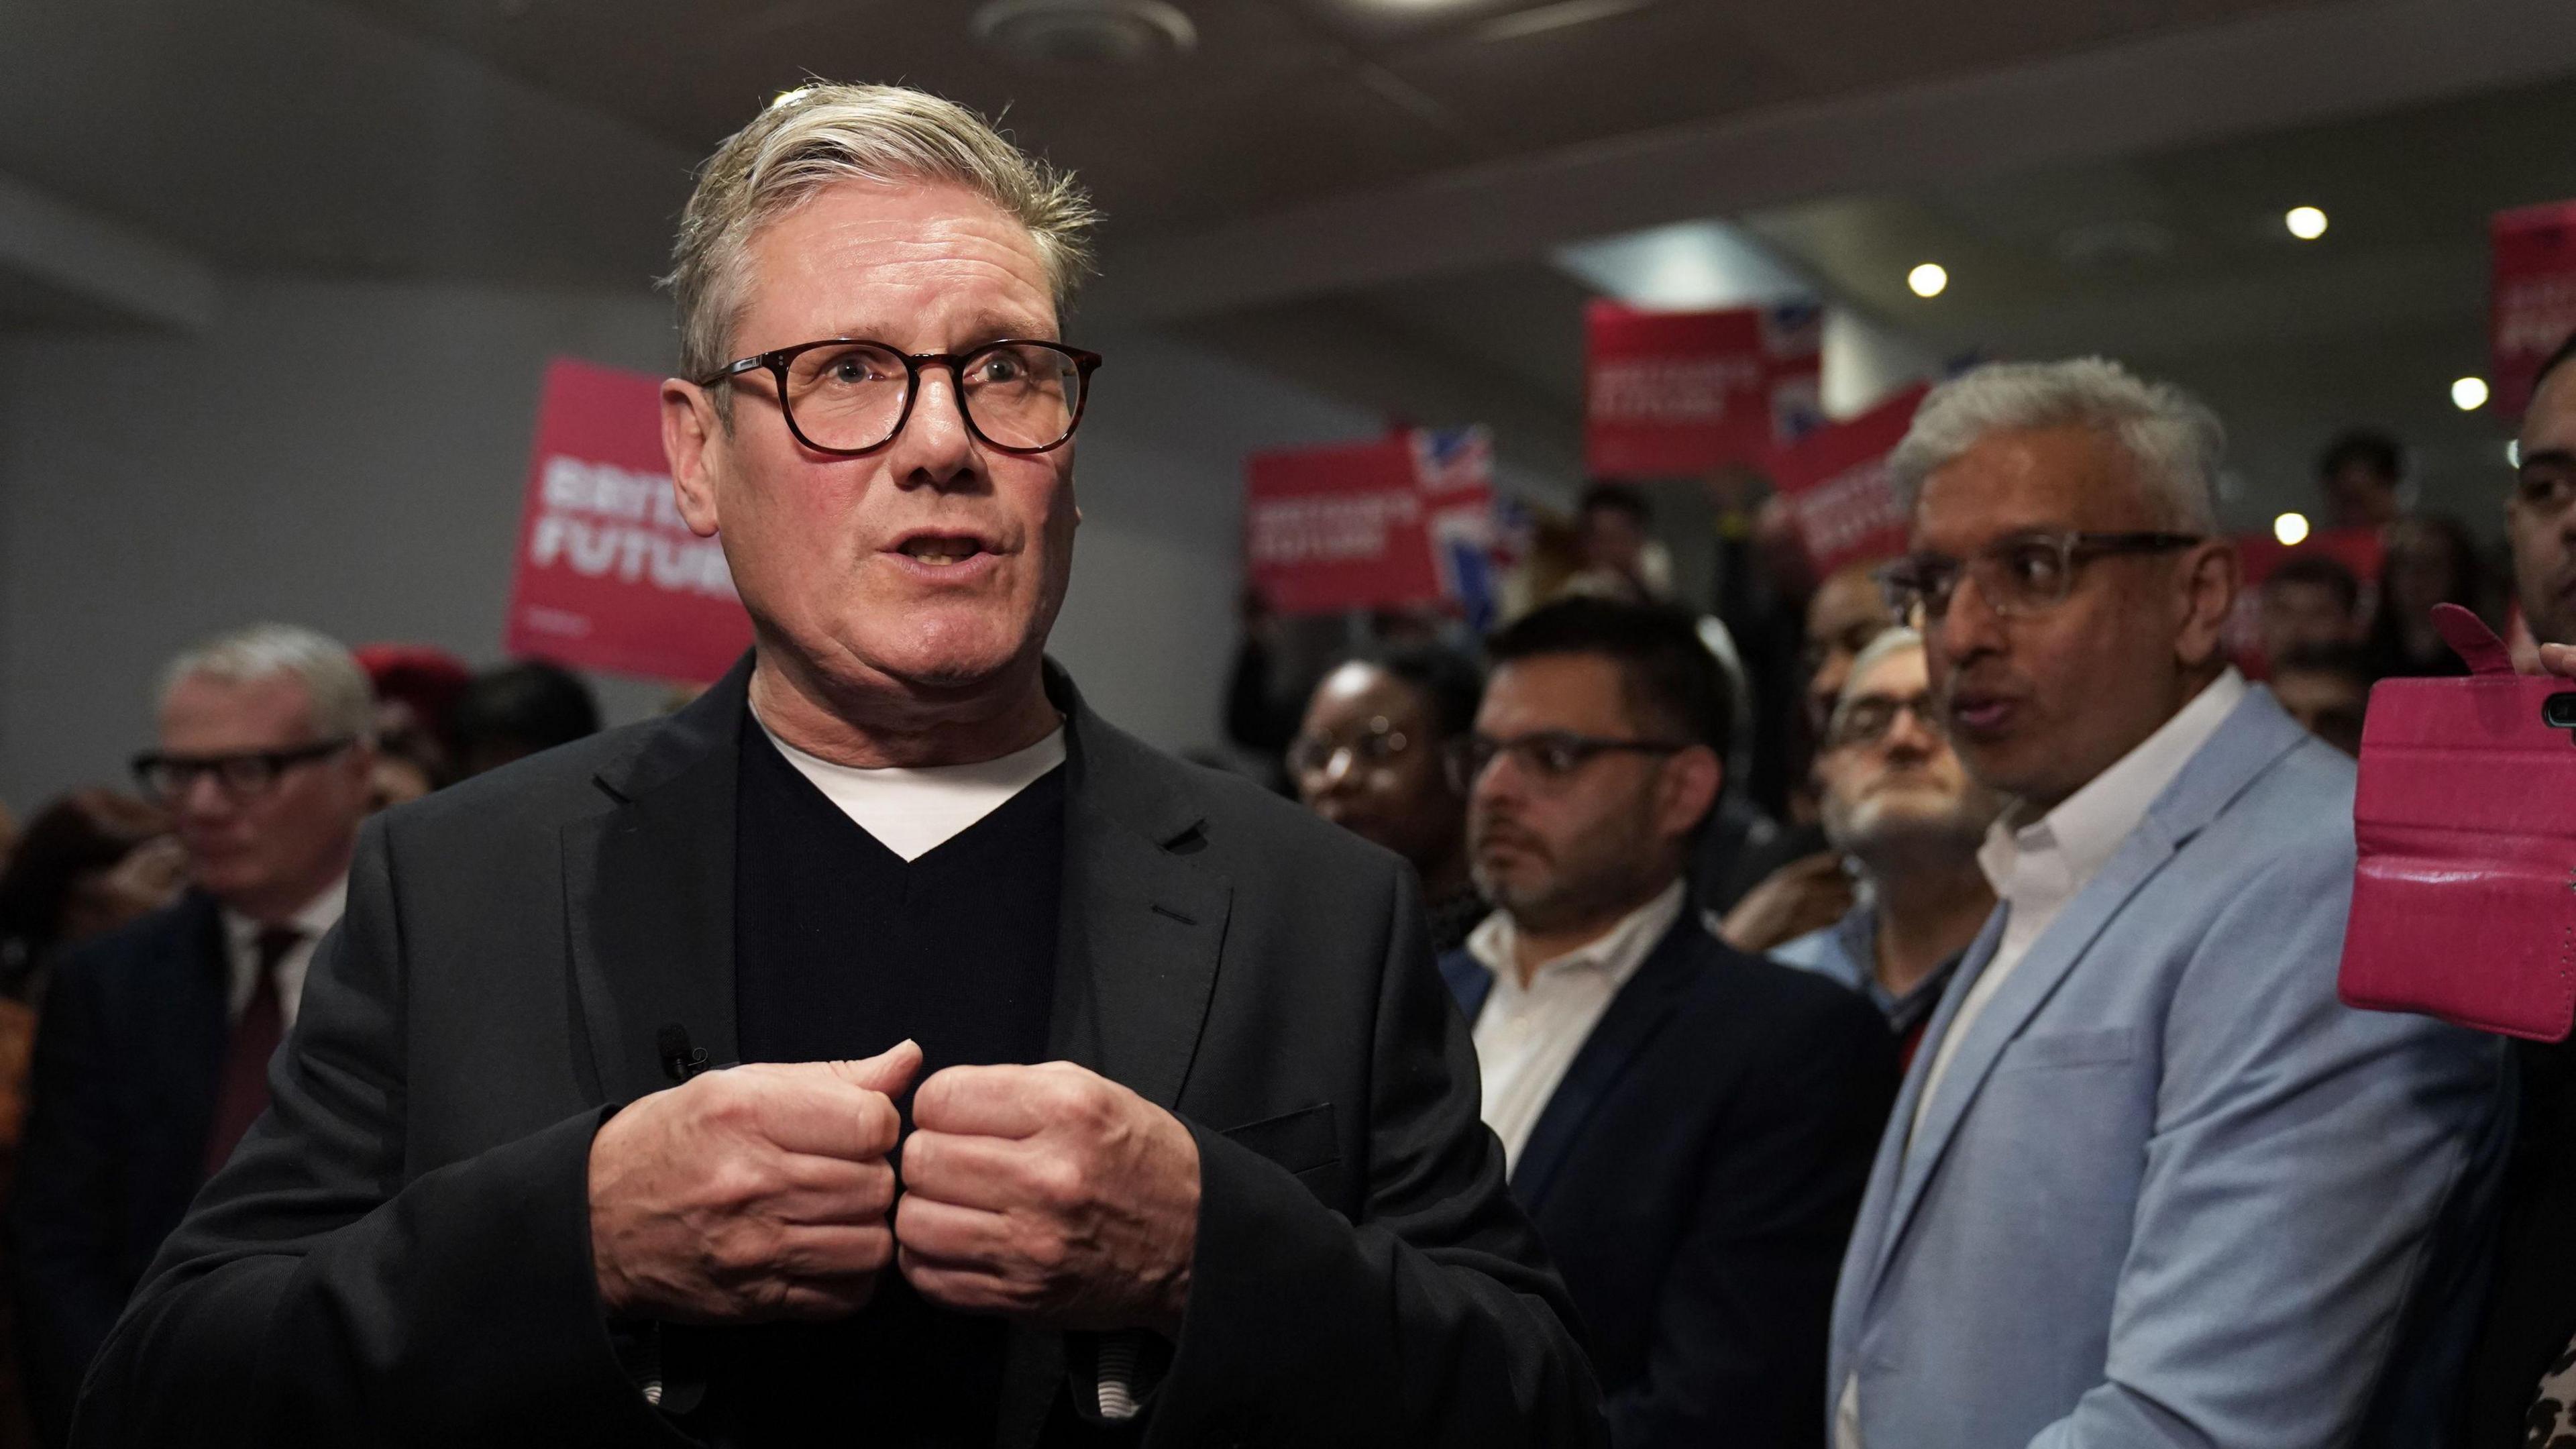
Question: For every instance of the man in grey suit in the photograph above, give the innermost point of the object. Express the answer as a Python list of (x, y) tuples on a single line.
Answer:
[(1190, 1161), (2148, 1183)]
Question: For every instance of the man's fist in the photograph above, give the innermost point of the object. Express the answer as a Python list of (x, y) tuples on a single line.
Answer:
[(758, 1192), (1048, 1193)]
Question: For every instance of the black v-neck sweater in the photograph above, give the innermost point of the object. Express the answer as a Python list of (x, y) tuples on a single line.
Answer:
[(842, 949)]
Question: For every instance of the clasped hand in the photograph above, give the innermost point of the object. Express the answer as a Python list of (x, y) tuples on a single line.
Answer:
[(1045, 1193)]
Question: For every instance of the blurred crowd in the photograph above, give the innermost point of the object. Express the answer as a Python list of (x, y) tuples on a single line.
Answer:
[(1891, 765), (1615, 802), (201, 890), (1897, 782)]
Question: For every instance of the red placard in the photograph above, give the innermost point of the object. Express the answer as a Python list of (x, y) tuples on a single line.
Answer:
[(1668, 394), (1835, 482), (2532, 299), (608, 575), (1401, 521)]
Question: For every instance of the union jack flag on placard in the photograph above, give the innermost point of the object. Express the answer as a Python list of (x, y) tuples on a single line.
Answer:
[(1451, 460)]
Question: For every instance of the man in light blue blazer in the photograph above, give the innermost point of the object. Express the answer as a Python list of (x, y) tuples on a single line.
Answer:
[(2148, 1183)]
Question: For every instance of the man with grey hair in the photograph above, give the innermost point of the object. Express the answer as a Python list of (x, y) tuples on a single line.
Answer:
[(588, 1134), (1907, 818), (152, 1056), (2148, 1182)]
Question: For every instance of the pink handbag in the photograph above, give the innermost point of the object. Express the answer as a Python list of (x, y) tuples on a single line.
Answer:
[(2464, 902)]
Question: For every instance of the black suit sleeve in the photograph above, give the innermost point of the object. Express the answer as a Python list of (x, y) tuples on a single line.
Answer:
[(315, 1298), (1742, 1323), (65, 1216), (1428, 1322)]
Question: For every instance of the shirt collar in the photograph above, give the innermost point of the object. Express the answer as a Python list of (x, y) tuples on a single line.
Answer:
[(1618, 951), (2070, 844), (312, 921)]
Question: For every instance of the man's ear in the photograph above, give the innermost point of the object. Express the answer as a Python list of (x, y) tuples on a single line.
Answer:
[(1688, 791), (693, 438), (2207, 581)]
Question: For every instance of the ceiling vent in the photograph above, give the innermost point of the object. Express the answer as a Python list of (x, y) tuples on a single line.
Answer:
[(1085, 35)]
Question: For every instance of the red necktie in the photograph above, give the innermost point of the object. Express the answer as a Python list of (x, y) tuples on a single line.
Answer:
[(241, 1093)]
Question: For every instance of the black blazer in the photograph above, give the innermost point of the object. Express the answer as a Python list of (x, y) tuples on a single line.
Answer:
[(1695, 1177), (122, 1095), (400, 1250)]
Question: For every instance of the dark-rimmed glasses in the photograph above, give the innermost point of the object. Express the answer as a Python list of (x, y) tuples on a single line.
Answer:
[(1374, 747), (850, 396), (1865, 719), (1554, 755), (2016, 576), (249, 772)]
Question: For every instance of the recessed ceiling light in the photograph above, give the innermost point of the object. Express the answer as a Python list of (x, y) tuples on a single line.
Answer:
[(2469, 394), (1928, 280), (2291, 528), (1078, 35), (2305, 222)]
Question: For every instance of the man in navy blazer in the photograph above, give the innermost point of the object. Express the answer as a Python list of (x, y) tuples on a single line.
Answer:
[(152, 1056), (2148, 1182), (1689, 1126)]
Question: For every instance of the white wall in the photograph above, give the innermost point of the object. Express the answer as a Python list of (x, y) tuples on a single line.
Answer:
[(351, 456)]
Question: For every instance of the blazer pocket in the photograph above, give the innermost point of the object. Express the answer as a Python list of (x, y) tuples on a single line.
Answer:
[(2071, 1049), (1298, 1141)]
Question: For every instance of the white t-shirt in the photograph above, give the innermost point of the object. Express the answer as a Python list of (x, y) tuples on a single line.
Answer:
[(913, 812)]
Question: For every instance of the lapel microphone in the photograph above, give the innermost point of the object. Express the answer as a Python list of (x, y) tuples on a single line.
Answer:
[(679, 1061)]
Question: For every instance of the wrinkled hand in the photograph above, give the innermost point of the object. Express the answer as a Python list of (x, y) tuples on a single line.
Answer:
[(759, 1192), (1805, 895), (1051, 1194)]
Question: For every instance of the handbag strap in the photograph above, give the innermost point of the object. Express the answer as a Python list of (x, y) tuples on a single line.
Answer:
[(2471, 639)]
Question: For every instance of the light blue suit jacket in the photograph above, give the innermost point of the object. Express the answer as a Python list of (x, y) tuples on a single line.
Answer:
[(2171, 1192)]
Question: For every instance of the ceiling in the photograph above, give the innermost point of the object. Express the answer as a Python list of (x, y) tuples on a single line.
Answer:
[(1282, 101), (1364, 194), (548, 140)]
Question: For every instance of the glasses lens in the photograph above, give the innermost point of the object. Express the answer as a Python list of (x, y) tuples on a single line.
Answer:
[(1908, 587), (246, 774), (2026, 576), (1862, 721), (847, 394), (159, 778), (1479, 754), (1021, 394)]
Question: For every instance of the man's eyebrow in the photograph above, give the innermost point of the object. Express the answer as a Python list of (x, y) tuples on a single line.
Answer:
[(2554, 457), (993, 326)]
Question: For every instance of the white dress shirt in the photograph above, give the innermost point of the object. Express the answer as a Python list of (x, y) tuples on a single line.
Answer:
[(2037, 868), (1527, 1036), (241, 950), (913, 812)]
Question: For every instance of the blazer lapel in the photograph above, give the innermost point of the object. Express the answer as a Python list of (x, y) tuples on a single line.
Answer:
[(1136, 954), (1136, 960), (2032, 982), (1639, 1011), (1874, 1231), (649, 896), (2254, 735), (1469, 983)]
